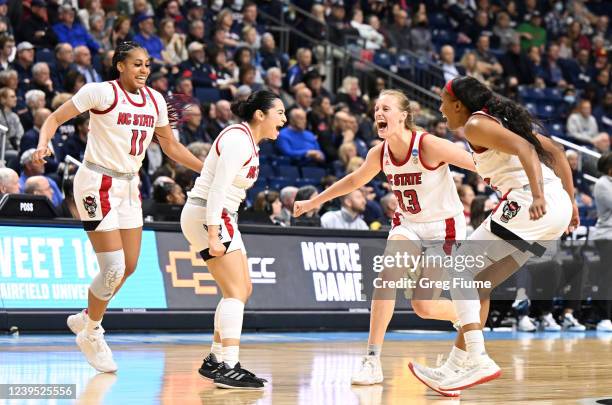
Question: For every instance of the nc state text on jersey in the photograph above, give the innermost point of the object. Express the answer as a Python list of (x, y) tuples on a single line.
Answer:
[(404, 179), (142, 120)]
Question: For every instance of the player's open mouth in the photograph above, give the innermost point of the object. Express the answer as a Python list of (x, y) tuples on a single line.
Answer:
[(444, 118), (141, 78), (279, 127), (381, 125)]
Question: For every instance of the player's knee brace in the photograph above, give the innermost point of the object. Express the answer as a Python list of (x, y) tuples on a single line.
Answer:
[(231, 311), (468, 311), (112, 269)]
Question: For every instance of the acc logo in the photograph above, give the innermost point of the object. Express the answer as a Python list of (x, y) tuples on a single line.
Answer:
[(89, 202), (511, 208), (258, 268)]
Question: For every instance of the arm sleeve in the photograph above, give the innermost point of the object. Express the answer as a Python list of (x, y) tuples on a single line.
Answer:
[(235, 149), (97, 96)]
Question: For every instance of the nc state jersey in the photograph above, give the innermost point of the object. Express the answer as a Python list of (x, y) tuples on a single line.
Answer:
[(121, 124), (231, 167), (503, 171), (424, 194)]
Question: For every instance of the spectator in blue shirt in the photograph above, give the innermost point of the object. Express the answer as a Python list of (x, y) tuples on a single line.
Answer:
[(31, 169), (297, 71), (147, 38), (67, 30), (297, 142)]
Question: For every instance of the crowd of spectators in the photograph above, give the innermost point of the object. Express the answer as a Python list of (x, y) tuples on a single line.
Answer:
[(219, 51), (551, 55)]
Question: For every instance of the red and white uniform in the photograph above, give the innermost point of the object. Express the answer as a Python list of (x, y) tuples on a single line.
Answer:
[(429, 208), (231, 167), (121, 127), (510, 219)]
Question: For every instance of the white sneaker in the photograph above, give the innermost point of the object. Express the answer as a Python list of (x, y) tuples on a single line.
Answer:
[(369, 373), (432, 377), (604, 326), (526, 324), (571, 324), (96, 351), (474, 373), (549, 324), (77, 322)]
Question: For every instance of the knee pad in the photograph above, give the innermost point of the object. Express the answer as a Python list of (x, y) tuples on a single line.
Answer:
[(468, 311), (112, 269), (217, 324), (231, 311)]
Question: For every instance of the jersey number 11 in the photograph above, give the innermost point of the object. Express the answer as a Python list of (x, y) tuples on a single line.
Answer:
[(137, 144)]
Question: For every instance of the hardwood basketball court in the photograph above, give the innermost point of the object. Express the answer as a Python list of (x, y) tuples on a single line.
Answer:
[(313, 368)]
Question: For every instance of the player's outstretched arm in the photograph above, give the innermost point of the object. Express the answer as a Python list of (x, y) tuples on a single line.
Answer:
[(65, 112), (175, 150), (345, 185), (438, 150)]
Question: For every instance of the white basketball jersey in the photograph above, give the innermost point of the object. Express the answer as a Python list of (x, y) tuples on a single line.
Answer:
[(502, 171), (424, 194), (121, 125), (239, 141)]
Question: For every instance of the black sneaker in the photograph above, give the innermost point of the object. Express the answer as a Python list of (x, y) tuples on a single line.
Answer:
[(238, 378), (210, 367)]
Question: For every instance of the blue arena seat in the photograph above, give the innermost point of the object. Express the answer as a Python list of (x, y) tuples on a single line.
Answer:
[(288, 171), (266, 171), (313, 172), (207, 94), (277, 183)]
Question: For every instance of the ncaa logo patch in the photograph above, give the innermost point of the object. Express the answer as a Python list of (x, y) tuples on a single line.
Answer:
[(511, 208), (415, 156)]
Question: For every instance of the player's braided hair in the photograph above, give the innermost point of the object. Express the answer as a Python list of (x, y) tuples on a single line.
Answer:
[(475, 96), (121, 52)]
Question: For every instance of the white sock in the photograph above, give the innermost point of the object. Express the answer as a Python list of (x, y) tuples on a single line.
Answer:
[(217, 350), (474, 342), (230, 355), (456, 358), (92, 326), (374, 350)]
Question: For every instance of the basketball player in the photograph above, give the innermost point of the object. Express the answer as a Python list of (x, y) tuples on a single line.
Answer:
[(537, 205), (208, 222), (125, 114), (429, 209)]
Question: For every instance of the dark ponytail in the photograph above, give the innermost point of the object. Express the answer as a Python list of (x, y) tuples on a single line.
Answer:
[(121, 52), (260, 100), (475, 96)]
